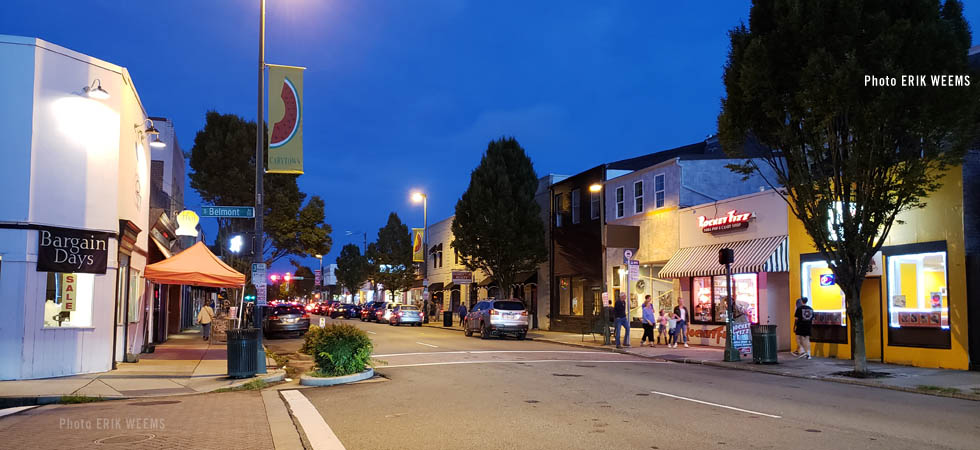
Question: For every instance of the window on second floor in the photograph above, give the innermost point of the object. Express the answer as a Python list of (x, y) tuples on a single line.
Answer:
[(594, 205), (557, 210), (576, 205), (658, 190), (637, 197), (620, 202)]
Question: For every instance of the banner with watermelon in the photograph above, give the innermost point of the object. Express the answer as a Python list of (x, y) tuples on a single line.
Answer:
[(418, 253), (285, 119)]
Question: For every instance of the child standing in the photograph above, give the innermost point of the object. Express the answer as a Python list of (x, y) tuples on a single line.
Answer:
[(662, 328)]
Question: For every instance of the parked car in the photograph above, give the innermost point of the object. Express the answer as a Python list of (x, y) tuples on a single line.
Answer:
[(353, 311), (286, 318), (340, 310), (497, 318), (369, 310), (329, 309), (407, 314), (383, 313)]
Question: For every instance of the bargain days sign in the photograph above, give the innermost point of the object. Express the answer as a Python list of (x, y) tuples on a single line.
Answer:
[(68, 250)]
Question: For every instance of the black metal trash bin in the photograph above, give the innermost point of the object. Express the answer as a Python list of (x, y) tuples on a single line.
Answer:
[(243, 349), (764, 344), (447, 318)]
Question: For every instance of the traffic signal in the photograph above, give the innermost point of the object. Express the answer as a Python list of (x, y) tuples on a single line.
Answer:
[(274, 277), (287, 277)]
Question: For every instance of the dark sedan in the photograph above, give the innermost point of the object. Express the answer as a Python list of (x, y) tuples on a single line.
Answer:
[(283, 319), (340, 310), (368, 311), (353, 311)]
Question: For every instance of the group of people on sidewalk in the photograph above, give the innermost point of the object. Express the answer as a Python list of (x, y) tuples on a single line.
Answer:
[(671, 327)]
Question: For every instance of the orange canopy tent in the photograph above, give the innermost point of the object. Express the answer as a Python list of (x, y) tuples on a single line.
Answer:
[(196, 266)]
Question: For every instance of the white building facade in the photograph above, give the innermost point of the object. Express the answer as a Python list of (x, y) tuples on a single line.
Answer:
[(73, 241)]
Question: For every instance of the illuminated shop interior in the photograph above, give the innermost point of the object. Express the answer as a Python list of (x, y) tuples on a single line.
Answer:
[(917, 291)]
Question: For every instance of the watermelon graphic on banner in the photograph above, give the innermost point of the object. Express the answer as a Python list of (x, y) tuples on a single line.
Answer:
[(286, 116)]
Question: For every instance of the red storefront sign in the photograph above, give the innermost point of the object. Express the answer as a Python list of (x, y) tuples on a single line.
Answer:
[(729, 221)]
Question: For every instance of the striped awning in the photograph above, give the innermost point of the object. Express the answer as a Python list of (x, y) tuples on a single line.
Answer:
[(769, 254)]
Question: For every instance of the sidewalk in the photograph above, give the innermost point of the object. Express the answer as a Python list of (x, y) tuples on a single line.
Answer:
[(185, 364), (942, 382)]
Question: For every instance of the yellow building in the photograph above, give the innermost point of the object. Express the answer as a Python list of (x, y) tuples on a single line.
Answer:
[(914, 297)]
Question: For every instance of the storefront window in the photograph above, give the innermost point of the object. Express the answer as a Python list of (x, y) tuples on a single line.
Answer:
[(135, 294), (701, 293), (68, 300), (578, 297), (917, 293), (564, 296), (710, 304), (826, 298)]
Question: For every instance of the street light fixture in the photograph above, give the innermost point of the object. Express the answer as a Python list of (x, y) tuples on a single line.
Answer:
[(95, 90)]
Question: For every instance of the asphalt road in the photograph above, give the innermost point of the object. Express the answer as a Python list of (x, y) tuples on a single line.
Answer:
[(449, 391)]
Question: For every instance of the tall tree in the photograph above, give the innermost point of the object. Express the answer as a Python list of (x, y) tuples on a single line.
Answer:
[(498, 226), (302, 287), (223, 173), (796, 79), (352, 268), (391, 256)]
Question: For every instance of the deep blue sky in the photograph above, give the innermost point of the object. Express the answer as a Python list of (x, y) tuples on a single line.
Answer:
[(406, 94)]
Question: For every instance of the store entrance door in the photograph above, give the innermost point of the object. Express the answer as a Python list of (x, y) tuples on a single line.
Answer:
[(871, 307)]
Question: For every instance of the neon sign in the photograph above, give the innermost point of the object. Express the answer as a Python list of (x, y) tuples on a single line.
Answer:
[(730, 221)]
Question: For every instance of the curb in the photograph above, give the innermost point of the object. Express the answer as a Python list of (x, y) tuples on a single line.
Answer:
[(307, 380), (769, 371)]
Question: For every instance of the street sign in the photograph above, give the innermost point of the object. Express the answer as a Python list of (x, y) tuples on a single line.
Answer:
[(260, 296), (258, 274), (627, 256), (634, 273), (317, 277), (323, 322), (246, 212), (462, 277)]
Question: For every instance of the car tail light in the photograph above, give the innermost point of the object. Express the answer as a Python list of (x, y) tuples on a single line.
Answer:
[(273, 317), (523, 313), (421, 315), (494, 312), (306, 316)]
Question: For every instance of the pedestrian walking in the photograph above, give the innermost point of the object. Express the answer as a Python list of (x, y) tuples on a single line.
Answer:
[(462, 313), (621, 321), (804, 320), (204, 317), (682, 317), (649, 321), (663, 321)]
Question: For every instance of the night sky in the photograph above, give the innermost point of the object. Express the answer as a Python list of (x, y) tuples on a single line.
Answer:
[(403, 95)]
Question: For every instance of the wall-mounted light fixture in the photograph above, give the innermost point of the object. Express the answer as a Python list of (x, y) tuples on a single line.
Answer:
[(151, 130), (95, 90)]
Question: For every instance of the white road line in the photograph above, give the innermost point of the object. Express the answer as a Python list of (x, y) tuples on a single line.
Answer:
[(478, 352), (317, 431), (715, 404), (14, 410), (427, 345), (448, 363), (369, 331)]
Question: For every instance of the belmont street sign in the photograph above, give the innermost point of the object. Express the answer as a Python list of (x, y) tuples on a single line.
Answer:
[(729, 221), (247, 212)]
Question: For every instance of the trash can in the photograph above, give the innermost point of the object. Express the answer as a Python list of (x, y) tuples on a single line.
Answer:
[(764, 344), (243, 349), (447, 318)]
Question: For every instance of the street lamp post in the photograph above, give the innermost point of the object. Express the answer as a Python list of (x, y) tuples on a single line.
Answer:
[(597, 188), (350, 233), (259, 244), (421, 197), (319, 286)]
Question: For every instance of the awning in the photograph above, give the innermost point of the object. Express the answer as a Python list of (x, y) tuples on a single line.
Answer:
[(196, 266), (163, 249), (754, 255), (435, 286)]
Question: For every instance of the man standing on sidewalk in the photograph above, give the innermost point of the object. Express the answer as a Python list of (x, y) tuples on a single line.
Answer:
[(204, 317), (462, 313), (682, 317), (621, 320)]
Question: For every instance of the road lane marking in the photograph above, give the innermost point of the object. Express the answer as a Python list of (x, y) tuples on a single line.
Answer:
[(14, 410), (477, 352), (317, 431), (715, 404), (372, 332), (427, 345), (448, 363)]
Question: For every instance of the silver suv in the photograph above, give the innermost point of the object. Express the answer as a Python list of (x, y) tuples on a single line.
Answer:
[(497, 318)]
